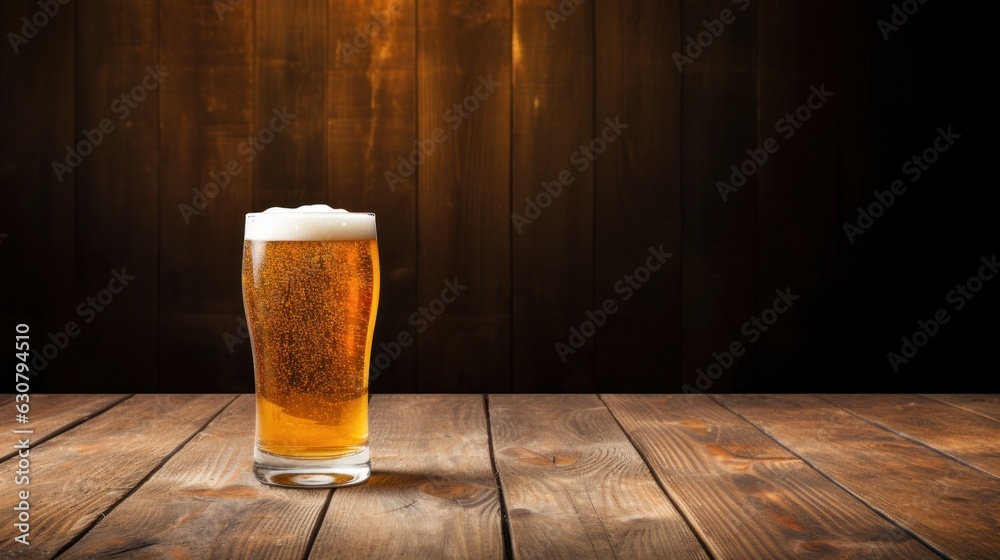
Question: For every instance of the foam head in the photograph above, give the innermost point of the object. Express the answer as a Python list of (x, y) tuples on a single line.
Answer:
[(315, 222)]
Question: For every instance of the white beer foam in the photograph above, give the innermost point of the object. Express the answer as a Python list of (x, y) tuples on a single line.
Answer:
[(314, 222)]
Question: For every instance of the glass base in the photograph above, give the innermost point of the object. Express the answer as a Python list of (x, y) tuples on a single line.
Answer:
[(311, 473)]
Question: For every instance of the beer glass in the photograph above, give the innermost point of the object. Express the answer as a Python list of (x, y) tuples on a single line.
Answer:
[(310, 288)]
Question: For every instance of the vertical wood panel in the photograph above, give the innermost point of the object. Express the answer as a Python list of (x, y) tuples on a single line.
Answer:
[(206, 109), (552, 264), (464, 199), (797, 186), (720, 237), (117, 191), (36, 210), (638, 195), (371, 120), (229, 64), (290, 54)]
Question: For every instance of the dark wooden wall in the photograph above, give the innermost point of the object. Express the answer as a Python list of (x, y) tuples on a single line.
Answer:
[(229, 64)]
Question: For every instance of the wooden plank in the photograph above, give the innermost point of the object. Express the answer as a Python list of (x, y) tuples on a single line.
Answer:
[(464, 204), (206, 503), (985, 405), (553, 86), (37, 209), (575, 487), (949, 506), (371, 116), (49, 415), (745, 495), (117, 208), (206, 115), (290, 51), (432, 493), (797, 53), (957, 433), (76, 476), (719, 120), (637, 194)]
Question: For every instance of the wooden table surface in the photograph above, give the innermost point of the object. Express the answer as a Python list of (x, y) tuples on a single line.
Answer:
[(522, 476)]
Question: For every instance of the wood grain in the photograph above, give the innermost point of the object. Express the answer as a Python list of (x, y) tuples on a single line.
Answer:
[(117, 44), (985, 405), (37, 209), (719, 249), (53, 414), (463, 207), (746, 496), (952, 507), (637, 195), (957, 433), (206, 115), (206, 503), (290, 54), (575, 487), (432, 492), (78, 475), (371, 120), (553, 71)]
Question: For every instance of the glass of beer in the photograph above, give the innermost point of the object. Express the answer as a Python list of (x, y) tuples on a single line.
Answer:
[(310, 288)]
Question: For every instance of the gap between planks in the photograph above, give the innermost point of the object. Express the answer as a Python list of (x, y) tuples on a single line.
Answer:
[(910, 438), (850, 492), (702, 540), (70, 425), (949, 399), (314, 533), (508, 544), (76, 538)]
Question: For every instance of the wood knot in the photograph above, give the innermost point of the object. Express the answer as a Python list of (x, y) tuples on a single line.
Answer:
[(518, 513), (449, 489)]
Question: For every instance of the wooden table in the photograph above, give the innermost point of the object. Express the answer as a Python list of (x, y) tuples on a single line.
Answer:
[(523, 476)]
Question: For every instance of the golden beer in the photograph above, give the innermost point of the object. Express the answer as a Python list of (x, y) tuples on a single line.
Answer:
[(310, 288)]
